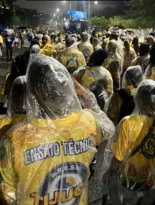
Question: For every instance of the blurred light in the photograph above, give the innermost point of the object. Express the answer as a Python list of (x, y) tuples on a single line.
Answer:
[(95, 2), (53, 14), (58, 9), (64, 19)]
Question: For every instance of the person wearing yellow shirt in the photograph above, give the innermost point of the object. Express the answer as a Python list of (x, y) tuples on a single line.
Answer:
[(47, 48), (143, 58), (129, 55), (133, 164), (60, 45), (95, 72), (85, 46), (122, 101), (16, 108), (71, 57), (47, 159), (113, 63)]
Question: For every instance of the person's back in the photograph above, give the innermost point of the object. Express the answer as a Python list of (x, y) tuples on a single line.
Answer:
[(71, 57), (56, 144), (129, 55), (122, 101), (134, 149), (95, 71), (113, 63), (85, 46), (47, 48), (143, 58)]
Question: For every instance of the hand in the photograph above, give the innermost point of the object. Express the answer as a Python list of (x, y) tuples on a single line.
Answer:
[(80, 90)]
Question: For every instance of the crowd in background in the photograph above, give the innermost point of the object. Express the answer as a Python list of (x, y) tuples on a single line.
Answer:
[(68, 95)]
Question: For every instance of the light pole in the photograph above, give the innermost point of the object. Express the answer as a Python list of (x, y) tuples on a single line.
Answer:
[(89, 7)]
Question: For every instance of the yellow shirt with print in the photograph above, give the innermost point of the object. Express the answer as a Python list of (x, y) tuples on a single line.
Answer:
[(96, 73), (72, 59), (48, 161), (139, 170), (87, 49), (48, 50)]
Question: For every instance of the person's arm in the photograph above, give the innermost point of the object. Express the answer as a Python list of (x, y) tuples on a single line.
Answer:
[(89, 102), (7, 173)]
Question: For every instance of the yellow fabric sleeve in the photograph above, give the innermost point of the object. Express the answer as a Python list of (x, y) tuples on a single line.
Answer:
[(120, 147), (7, 173)]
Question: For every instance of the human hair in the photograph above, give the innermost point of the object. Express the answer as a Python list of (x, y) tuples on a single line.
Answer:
[(135, 43), (69, 42), (97, 58), (144, 49)]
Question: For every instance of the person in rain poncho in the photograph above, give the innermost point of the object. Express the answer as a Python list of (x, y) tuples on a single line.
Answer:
[(143, 58), (16, 112), (133, 164), (85, 46), (47, 48), (113, 63), (16, 108), (96, 44), (95, 73), (71, 57), (129, 55), (150, 70), (57, 144), (60, 45), (122, 101)]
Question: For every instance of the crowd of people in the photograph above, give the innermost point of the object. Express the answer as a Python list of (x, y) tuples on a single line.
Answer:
[(75, 102)]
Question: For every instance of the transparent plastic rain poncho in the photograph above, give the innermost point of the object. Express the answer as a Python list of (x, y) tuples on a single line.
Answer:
[(132, 76), (16, 108), (46, 160), (122, 102), (134, 148), (17, 97)]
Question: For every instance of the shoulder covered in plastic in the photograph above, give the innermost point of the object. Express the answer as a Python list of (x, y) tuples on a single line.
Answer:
[(106, 125)]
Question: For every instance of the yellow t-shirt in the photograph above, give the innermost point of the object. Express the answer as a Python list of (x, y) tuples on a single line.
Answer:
[(128, 58), (47, 162), (10, 121), (87, 49), (96, 73), (48, 50), (139, 169), (72, 59)]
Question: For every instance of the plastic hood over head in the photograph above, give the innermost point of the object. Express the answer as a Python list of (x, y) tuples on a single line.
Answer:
[(51, 92), (145, 98), (17, 97), (133, 76)]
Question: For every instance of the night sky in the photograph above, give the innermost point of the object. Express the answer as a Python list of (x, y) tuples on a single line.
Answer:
[(107, 8)]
